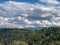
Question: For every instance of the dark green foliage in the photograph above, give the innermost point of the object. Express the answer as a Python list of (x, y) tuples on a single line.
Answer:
[(45, 36)]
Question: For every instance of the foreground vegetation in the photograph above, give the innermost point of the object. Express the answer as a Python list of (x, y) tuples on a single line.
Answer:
[(45, 36)]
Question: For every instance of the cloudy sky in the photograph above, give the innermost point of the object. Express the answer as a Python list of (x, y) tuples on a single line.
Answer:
[(29, 13)]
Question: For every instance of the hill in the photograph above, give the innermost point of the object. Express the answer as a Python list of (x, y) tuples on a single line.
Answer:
[(45, 36)]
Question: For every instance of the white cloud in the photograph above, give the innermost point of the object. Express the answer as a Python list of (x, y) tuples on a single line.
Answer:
[(21, 14), (52, 2), (27, 21)]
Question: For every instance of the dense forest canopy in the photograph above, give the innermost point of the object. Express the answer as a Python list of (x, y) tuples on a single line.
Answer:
[(45, 36)]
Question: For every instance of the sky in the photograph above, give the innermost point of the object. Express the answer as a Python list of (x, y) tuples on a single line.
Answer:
[(30, 1), (29, 13)]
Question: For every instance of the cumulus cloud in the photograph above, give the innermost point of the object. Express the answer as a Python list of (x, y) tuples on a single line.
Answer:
[(52, 2), (22, 15)]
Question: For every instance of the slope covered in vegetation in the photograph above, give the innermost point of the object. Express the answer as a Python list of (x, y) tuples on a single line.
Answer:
[(45, 36)]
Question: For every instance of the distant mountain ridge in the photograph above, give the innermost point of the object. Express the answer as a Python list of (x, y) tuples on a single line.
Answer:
[(28, 28)]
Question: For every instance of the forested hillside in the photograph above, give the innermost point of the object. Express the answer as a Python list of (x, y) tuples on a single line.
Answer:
[(45, 36)]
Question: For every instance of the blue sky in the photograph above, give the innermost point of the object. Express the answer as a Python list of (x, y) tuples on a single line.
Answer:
[(30, 1), (35, 13)]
